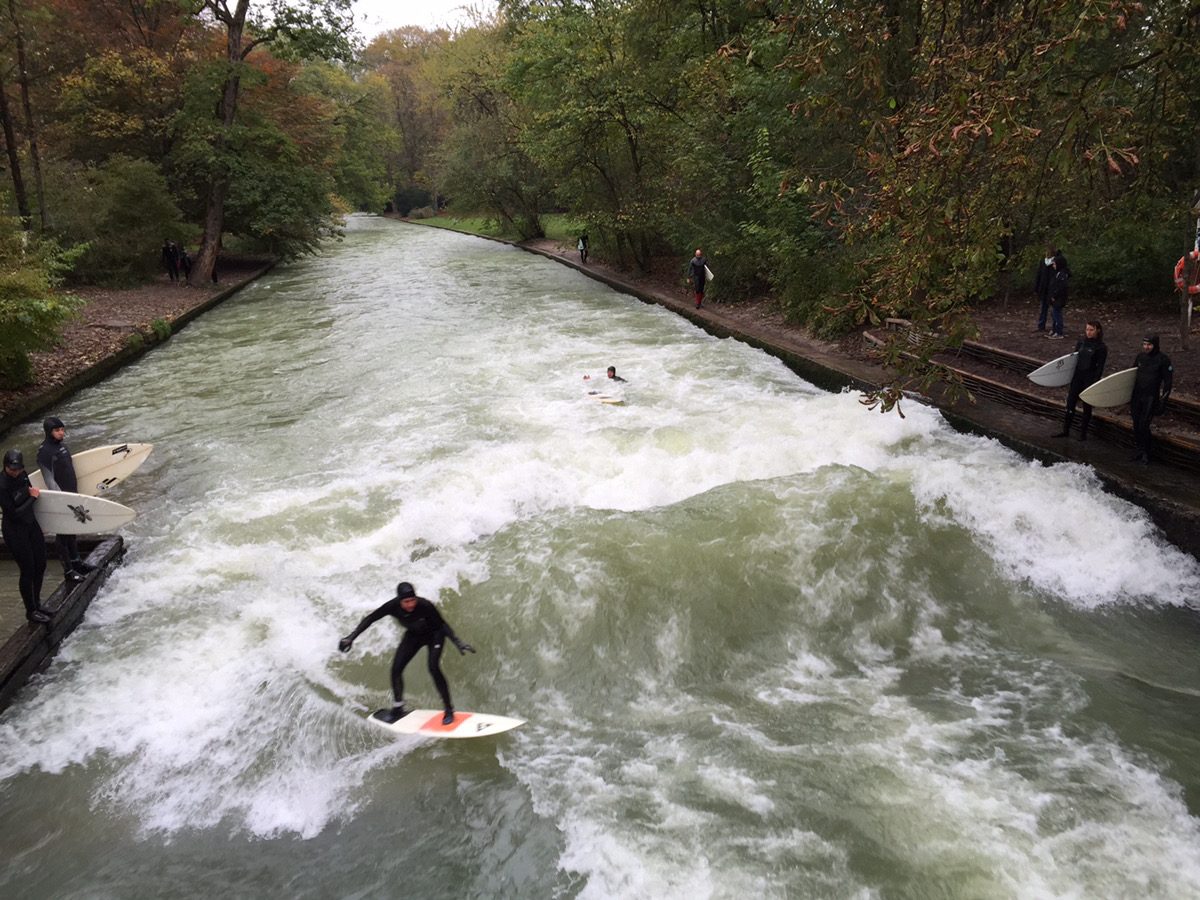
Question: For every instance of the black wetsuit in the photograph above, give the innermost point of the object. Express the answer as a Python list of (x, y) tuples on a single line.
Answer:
[(423, 627), (1155, 375), (1093, 354), (54, 459), (23, 537)]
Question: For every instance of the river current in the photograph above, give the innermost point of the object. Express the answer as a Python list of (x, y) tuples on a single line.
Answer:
[(769, 643)]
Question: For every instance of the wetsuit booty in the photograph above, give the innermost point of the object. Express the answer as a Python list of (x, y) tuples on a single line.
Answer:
[(448, 718), (395, 714)]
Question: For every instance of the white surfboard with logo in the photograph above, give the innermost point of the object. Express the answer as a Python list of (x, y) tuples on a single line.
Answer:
[(99, 469), (59, 512), (428, 722)]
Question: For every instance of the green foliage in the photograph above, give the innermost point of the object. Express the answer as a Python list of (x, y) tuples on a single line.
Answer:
[(161, 329), (118, 212), (31, 313)]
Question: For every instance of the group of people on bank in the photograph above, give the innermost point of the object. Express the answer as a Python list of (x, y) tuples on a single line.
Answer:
[(1155, 374), (19, 526)]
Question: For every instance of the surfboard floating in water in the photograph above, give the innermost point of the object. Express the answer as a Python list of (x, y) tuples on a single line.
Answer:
[(466, 724)]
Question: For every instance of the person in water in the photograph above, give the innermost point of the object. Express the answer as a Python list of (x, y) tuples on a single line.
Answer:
[(423, 627), (22, 534), (613, 376), (1093, 353), (54, 459)]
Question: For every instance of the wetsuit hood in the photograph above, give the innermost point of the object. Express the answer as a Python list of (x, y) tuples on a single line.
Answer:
[(14, 460), (404, 589), (1152, 339), (50, 424)]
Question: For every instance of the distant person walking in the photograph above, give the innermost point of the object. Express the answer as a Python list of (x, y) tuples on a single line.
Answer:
[(1058, 296), (583, 248), (185, 263), (58, 471), (22, 534), (698, 276), (1041, 286), (1151, 388), (170, 258), (423, 627), (1089, 368)]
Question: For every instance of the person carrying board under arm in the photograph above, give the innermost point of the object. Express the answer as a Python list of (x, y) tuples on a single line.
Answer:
[(423, 627), (54, 459), (22, 534)]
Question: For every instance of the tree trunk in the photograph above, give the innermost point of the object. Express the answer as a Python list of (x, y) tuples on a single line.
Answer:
[(218, 185), (14, 162), (30, 126)]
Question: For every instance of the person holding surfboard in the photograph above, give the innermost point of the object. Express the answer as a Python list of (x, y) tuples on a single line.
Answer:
[(58, 471), (1151, 387), (1089, 367), (22, 534), (423, 627), (698, 276)]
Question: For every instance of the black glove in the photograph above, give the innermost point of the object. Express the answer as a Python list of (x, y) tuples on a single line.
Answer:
[(345, 644), (463, 647), (1160, 406)]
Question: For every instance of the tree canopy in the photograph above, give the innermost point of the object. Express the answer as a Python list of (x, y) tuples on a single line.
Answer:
[(858, 160)]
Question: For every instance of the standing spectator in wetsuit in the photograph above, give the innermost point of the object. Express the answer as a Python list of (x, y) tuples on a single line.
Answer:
[(1093, 353), (583, 248), (54, 459), (1041, 286), (22, 534), (1151, 388), (698, 276), (170, 258), (423, 627), (185, 263)]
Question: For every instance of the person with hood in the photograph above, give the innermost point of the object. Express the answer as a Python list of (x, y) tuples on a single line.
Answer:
[(423, 627), (22, 534), (1089, 368), (1058, 295), (1151, 387), (54, 459)]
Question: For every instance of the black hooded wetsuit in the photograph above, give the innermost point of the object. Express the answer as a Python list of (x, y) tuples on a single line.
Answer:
[(1152, 386), (54, 459), (23, 537), (423, 627)]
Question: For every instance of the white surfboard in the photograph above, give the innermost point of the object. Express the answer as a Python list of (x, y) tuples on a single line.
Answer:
[(59, 512), (1112, 390), (466, 724), (608, 396), (1057, 372), (99, 469)]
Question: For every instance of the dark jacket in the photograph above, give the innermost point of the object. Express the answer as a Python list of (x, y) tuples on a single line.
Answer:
[(696, 272), (1059, 282)]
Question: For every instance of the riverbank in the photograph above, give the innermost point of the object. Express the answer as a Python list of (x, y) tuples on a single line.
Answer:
[(101, 341)]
